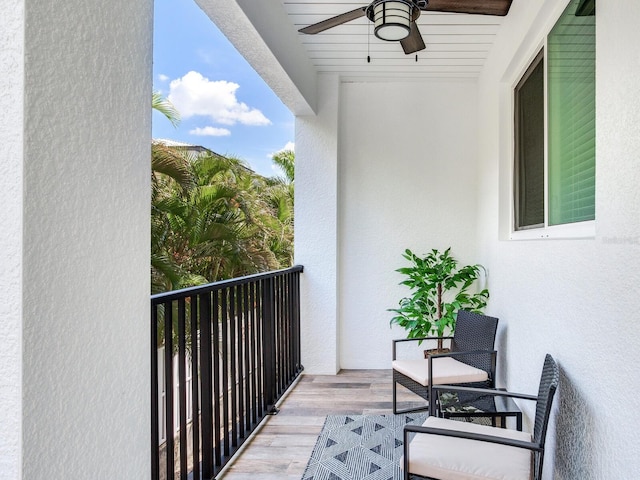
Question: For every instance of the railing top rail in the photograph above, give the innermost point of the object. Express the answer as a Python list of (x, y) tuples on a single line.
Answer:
[(187, 292)]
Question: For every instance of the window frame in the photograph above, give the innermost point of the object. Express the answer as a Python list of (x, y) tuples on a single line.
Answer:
[(533, 65), (576, 230)]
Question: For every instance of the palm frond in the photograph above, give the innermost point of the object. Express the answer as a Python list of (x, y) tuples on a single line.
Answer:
[(165, 107)]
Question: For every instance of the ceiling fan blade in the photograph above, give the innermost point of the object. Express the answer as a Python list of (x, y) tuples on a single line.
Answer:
[(334, 21), (484, 7), (414, 42)]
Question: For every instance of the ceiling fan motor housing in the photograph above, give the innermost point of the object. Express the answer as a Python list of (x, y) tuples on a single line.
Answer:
[(392, 18)]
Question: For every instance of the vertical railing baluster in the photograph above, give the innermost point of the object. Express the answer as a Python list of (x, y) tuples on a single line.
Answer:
[(247, 355), (298, 340), (195, 379), (289, 343), (182, 391), (260, 356), (168, 389), (224, 317), (281, 339), (269, 345), (287, 331), (254, 353), (155, 397), (240, 365), (295, 301), (292, 316), (276, 336), (233, 343), (283, 335), (215, 399), (204, 302)]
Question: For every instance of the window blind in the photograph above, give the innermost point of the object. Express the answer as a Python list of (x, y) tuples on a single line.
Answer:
[(571, 106)]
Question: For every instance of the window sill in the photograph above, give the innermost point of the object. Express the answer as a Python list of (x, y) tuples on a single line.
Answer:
[(580, 230)]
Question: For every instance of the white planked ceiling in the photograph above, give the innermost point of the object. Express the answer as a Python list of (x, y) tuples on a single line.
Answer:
[(457, 44)]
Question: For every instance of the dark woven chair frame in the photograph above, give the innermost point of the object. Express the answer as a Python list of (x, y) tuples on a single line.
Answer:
[(548, 386), (472, 343)]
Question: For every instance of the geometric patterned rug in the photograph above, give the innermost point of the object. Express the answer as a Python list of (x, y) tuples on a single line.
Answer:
[(360, 447)]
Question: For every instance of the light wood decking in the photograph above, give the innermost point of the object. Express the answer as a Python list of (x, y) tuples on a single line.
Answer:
[(281, 448)]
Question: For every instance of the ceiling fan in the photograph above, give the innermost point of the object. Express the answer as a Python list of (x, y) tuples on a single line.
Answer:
[(395, 20)]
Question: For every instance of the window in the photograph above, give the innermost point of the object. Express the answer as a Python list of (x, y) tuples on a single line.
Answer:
[(554, 180), (529, 147)]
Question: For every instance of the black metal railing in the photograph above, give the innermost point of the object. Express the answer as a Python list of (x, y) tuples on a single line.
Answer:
[(235, 348)]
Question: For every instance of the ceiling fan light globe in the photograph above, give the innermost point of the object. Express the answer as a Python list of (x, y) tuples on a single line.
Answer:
[(392, 20)]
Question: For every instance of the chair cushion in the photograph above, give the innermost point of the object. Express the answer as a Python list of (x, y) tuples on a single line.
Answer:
[(450, 458), (445, 370)]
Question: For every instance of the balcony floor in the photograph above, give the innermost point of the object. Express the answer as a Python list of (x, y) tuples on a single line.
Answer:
[(282, 447)]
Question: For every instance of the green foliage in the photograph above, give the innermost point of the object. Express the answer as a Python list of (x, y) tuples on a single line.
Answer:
[(213, 218), (286, 160), (438, 290), (227, 224), (165, 107)]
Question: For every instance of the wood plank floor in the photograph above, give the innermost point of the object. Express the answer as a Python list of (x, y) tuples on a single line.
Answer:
[(283, 445)]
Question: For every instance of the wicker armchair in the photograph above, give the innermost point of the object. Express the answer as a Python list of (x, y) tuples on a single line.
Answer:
[(471, 361), (447, 449)]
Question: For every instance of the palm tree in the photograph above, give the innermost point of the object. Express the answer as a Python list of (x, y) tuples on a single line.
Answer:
[(285, 159), (168, 167), (280, 196), (213, 218)]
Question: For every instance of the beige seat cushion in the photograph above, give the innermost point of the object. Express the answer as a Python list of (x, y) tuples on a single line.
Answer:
[(450, 458), (445, 370)]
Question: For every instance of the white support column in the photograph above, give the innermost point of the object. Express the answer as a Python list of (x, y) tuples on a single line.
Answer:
[(11, 158), (316, 220), (75, 91)]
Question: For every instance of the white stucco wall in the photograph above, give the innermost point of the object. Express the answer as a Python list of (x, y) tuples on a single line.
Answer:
[(11, 159), (75, 91), (407, 179), (363, 196), (316, 220), (575, 299)]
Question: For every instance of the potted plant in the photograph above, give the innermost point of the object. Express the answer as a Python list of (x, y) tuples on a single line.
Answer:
[(438, 290)]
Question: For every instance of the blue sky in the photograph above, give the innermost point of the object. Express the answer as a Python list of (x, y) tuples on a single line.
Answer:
[(225, 105)]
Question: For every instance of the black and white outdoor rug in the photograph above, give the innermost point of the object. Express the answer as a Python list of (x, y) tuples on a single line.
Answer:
[(360, 447)]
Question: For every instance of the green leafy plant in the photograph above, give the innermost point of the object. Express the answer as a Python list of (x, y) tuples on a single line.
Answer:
[(439, 288)]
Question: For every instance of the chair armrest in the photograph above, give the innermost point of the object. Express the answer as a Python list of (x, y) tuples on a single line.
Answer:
[(398, 340), (468, 435), (420, 339), (485, 391), (460, 354)]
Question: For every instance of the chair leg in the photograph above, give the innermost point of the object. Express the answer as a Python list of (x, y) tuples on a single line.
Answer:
[(395, 393), (432, 402), (408, 410)]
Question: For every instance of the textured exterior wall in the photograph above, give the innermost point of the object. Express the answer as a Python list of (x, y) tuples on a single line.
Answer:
[(11, 159), (316, 219), (575, 299), (364, 195), (86, 239), (407, 179)]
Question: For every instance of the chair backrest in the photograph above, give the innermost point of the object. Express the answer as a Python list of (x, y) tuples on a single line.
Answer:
[(475, 331), (546, 391)]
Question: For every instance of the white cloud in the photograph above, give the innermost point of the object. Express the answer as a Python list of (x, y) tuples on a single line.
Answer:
[(289, 146), (195, 95), (210, 132), (162, 77)]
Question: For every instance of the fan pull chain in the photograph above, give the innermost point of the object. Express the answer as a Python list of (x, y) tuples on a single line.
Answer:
[(368, 42)]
